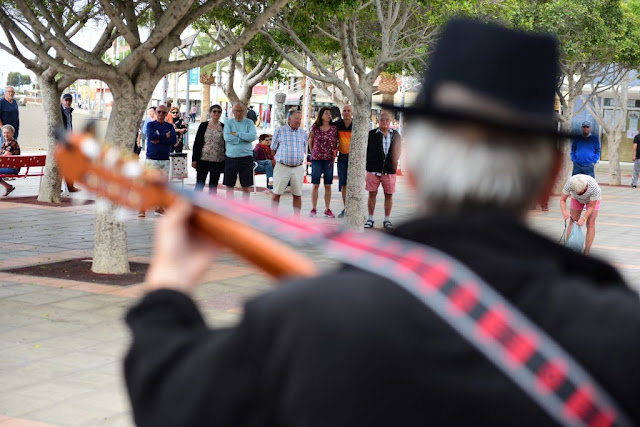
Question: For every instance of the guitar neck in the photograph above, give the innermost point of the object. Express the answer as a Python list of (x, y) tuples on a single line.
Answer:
[(121, 180)]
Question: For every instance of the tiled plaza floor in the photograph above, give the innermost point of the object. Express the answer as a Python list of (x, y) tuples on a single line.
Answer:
[(62, 341)]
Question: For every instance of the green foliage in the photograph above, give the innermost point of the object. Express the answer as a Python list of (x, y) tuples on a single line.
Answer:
[(308, 17), (26, 79), (588, 30), (13, 78)]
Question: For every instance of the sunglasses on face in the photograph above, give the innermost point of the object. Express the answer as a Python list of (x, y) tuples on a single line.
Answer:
[(174, 112), (161, 112), (216, 111)]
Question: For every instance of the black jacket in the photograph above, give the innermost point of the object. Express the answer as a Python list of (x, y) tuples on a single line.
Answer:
[(352, 349), (64, 117), (376, 159), (198, 142)]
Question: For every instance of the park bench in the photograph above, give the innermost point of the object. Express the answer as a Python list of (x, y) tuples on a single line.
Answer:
[(30, 165)]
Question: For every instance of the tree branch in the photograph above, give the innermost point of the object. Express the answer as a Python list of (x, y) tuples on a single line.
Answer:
[(243, 39), (116, 20)]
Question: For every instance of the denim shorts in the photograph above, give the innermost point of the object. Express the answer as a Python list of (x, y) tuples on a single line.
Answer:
[(322, 167), (10, 171)]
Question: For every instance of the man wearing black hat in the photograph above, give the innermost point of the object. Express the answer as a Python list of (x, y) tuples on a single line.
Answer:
[(67, 122), (355, 348)]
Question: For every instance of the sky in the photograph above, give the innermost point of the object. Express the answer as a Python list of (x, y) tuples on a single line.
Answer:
[(85, 38)]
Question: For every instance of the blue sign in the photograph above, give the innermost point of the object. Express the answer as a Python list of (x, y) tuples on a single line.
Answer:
[(194, 76)]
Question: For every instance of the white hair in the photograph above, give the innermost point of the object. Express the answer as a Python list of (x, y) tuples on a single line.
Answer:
[(11, 128), (578, 183), (458, 166)]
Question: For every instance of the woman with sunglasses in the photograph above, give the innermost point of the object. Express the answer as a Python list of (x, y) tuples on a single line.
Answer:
[(181, 129), (209, 151)]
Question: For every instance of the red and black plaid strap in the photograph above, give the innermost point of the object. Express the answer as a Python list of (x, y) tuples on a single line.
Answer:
[(515, 345)]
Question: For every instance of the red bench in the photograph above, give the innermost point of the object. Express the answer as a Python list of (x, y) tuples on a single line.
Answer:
[(30, 165)]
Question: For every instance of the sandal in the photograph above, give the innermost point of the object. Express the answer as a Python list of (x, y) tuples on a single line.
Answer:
[(9, 190), (368, 224), (387, 224)]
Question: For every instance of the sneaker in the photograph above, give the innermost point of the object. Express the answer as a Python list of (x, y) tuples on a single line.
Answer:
[(387, 224), (329, 214), (141, 214), (633, 186), (159, 212), (313, 212), (341, 214), (368, 223)]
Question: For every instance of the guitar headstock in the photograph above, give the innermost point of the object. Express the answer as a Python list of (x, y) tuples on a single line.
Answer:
[(110, 172)]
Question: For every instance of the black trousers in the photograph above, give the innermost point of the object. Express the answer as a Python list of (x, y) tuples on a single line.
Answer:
[(204, 168)]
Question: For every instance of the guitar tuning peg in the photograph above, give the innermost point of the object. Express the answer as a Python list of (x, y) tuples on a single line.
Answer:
[(132, 169), (121, 214), (91, 148), (102, 205), (112, 157)]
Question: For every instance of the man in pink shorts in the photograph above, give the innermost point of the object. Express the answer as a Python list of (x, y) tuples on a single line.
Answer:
[(383, 152), (584, 190)]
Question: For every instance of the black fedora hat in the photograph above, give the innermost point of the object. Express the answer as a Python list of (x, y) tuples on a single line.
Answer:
[(489, 74)]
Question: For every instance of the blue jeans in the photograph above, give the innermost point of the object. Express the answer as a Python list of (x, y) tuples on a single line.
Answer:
[(319, 168), (583, 169), (265, 167), (9, 171), (343, 165)]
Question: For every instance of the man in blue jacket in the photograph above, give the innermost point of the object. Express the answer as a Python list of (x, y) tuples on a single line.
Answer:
[(585, 151), (161, 136), (239, 133)]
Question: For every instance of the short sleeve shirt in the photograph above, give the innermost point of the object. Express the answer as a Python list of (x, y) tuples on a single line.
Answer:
[(592, 194), (324, 143), (636, 140), (290, 145), (344, 136), (10, 148)]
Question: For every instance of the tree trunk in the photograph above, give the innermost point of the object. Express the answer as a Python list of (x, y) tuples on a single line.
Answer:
[(565, 148), (245, 94), (614, 158), (206, 102), (50, 187), (356, 201), (110, 235), (616, 138)]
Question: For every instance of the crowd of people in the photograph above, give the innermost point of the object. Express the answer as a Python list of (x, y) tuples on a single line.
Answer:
[(228, 149)]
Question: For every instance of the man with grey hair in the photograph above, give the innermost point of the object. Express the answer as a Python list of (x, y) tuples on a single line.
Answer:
[(9, 111), (584, 191), (351, 347), (289, 147)]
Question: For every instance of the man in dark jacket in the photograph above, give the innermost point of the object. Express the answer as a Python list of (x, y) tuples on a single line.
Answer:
[(67, 122), (351, 348), (383, 153)]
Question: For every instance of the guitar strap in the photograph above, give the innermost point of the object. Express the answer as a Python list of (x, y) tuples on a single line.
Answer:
[(516, 346)]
